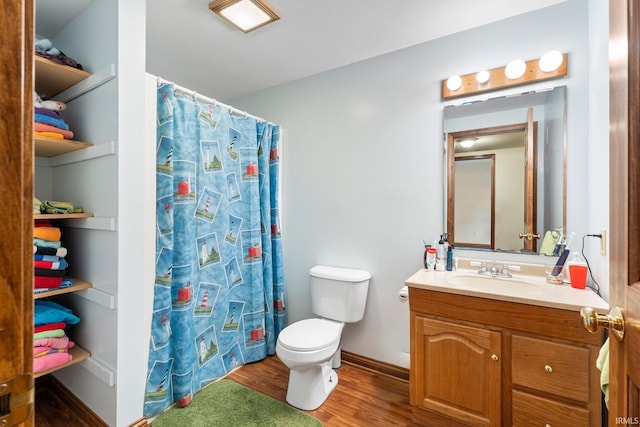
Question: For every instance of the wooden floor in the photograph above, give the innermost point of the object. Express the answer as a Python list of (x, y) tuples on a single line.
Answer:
[(361, 398)]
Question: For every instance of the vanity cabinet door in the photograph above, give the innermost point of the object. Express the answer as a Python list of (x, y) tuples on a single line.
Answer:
[(457, 371)]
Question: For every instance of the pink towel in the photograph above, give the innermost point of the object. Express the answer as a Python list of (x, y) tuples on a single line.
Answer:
[(43, 351), (50, 361), (62, 342)]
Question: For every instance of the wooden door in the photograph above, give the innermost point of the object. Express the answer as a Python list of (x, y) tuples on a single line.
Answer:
[(624, 358), (16, 215), (530, 186)]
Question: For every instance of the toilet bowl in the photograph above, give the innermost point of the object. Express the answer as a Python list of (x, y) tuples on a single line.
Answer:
[(310, 348)]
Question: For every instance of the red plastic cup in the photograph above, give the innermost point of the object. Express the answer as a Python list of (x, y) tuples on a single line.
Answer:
[(578, 275)]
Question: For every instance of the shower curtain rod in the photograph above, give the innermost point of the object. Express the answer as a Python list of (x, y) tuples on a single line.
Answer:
[(204, 98)]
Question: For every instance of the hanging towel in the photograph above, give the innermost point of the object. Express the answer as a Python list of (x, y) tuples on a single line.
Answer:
[(602, 363)]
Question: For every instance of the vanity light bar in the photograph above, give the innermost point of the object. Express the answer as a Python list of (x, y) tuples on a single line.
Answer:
[(470, 84)]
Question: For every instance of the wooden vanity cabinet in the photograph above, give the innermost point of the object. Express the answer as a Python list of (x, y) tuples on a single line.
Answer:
[(486, 362)]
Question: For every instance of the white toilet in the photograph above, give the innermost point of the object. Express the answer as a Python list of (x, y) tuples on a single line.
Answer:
[(310, 347)]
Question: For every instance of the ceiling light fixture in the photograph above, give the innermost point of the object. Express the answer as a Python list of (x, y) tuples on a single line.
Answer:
[(468, 143), (247, 15)]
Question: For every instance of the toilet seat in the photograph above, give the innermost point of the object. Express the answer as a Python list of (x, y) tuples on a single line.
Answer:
[(310, 334)]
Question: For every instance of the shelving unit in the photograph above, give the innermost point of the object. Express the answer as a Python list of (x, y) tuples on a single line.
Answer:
[(53, 79)]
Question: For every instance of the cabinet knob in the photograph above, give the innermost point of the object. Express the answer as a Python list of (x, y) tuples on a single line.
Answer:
[(494, 357), (548, 368)]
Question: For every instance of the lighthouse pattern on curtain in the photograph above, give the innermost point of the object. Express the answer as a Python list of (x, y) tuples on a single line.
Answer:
[(219, 288)]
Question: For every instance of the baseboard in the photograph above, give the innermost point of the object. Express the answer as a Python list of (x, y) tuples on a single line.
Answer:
[(50, 385), (142, 422), (376, 366)]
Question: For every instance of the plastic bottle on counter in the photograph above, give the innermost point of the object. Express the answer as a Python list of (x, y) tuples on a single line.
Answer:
[(450, 258)]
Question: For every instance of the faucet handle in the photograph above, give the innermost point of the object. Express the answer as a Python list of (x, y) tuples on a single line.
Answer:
[(505, 268)]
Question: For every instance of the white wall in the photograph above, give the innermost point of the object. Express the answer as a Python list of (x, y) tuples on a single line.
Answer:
[(362, 164)]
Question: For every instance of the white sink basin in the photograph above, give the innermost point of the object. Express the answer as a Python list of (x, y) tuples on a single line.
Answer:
[(495, 284)]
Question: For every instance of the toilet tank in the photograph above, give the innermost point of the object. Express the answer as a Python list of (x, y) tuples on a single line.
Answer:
[(339, 293)]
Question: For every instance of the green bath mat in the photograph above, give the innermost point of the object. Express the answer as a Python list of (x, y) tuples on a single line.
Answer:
[(227, 403)]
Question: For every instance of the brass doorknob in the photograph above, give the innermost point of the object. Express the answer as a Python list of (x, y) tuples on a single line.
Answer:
[(614, 321), (529, 236)]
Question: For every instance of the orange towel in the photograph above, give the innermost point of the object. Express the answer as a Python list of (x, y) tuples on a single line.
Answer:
[(52, 234), (49, 134), (43, 127)]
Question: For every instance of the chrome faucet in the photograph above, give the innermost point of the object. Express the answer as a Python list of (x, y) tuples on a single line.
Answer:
[(494, 271)]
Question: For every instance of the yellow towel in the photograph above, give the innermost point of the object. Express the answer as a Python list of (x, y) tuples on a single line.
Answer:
[(602, 363)]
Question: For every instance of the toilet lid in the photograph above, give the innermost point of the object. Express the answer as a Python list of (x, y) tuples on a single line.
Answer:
[(310, 334)]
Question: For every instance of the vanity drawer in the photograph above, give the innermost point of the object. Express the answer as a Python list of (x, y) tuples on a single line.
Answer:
[(552, 367), (529, 410)]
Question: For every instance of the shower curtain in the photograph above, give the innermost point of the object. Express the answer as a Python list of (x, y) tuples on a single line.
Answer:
[(219, 286)]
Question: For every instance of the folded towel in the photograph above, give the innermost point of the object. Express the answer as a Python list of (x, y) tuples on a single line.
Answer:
[(46, 243), (43, 250), (54, 333), (55, 207), (46, 112), (47, 282), (60, 265), (59, 123), (61, 342), (51, 312), (49, 327), (45, 272), (602, 363), (37, 206), (43, 351), (51, 234), (50, 361), (54, 135), (49, 258), (42, 127)]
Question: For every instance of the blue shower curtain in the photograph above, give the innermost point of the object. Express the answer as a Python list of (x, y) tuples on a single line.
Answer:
[(219, 286)]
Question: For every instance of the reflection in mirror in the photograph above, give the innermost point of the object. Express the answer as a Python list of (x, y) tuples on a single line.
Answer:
[(516, 196)]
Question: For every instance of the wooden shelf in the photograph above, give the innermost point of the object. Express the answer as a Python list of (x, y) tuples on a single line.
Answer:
[(78, 353), (63, 216), (52, 78), (78, 285), (50, 147)]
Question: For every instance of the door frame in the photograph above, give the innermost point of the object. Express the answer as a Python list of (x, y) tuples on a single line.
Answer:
[(16, 175)]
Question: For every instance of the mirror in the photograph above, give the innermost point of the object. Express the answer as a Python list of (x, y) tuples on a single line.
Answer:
[(506, 172)]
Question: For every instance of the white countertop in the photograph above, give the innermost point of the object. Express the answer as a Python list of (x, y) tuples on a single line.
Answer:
[(535, 292)]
